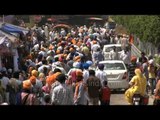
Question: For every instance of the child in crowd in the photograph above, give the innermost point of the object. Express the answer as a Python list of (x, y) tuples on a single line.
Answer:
[(105, 94)]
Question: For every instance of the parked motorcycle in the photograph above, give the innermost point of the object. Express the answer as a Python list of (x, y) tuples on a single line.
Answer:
[(140, 100)]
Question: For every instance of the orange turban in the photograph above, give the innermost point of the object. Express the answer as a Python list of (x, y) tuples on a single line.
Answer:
[(77, 59), (27, 84), (59, 44), (79, 72), (94, 42), (41, 75), (133, 59), (32, 79), (42, 49), (58, 52), (34, 73), (29, 56), (73, 41), (51, 79), (50, 47), (71, 49), (30, 69), (64, 55)]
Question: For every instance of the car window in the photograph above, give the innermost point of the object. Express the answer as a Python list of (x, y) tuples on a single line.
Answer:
[(108, 49), (119, 49), (114, 66), (111, 48)]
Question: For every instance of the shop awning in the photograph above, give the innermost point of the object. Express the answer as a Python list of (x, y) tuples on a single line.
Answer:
[(9, 36), (13, 29)]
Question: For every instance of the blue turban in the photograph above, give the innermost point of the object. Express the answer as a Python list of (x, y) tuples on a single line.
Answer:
[(101, 66), (89, 62), (85, 65)]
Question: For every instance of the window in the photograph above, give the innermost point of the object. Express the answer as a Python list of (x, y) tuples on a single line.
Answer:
[(114, 66), (111, 48)]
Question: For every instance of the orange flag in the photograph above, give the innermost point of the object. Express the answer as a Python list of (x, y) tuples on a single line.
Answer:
[(131, 39)]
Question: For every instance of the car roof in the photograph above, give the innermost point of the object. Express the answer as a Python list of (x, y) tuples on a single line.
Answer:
[(111, 61), (111, 45)]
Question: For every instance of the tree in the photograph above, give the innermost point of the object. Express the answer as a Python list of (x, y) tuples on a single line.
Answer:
[(146, 27)]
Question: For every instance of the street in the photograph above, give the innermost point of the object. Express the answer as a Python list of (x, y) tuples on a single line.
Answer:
[(117, 98)]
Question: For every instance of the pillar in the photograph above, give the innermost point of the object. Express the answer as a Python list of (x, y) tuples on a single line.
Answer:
[(0, 63), (15, 59)]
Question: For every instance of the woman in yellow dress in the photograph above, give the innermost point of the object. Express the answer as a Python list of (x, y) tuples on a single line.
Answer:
[(138, 85)]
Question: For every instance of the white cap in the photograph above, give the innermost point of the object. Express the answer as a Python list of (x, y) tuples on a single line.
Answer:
[(151, 61)]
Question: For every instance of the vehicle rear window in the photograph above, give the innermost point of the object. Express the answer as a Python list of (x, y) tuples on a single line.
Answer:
[(111, 48), (114, 66)]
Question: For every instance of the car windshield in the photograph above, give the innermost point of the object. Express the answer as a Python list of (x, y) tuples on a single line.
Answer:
[(111, 48), (114, 66)]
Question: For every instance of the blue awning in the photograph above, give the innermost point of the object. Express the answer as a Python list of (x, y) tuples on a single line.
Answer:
[(13, 29)]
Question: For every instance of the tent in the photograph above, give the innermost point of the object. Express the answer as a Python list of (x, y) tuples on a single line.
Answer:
[(8, 35), (61, 26), (8, 28), (95, 18)]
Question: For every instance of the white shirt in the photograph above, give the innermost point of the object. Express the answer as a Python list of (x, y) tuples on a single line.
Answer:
[(40, 69), (95, 47), (43, 53), (61, 68), (113, 55), (61, 95), (36, 47), (85, 75), (4, 82), (125, 57), (101, 75)]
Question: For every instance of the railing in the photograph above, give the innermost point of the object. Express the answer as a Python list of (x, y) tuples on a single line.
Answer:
[(147, 47), (135, 51)]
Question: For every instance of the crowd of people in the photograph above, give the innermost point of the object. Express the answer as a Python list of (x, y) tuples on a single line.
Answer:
[(144, 78), (57, 67)]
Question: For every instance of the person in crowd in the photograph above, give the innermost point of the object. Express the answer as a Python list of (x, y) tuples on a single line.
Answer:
[(97, 56), (132, 66), (26, 97), (14, 87), (113, 54), (101, 74), (61, 95), (152, 76), (105, 94), (137, 85), (4, 82), (157, 91), (93, 88), (143, 58), (80, 89), (85, 72)]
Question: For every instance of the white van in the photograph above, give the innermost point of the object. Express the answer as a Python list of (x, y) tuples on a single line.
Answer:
[(109, 47)]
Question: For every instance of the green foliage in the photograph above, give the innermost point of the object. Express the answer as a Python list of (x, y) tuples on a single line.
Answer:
[(157, 60), (146, 27)]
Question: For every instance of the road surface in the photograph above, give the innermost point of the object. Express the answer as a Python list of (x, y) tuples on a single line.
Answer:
[(117, 98)]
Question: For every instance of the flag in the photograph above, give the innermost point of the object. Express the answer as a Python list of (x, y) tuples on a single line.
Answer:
[(131, 39)]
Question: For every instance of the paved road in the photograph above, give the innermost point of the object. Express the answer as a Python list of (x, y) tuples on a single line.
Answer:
[(117, 98)]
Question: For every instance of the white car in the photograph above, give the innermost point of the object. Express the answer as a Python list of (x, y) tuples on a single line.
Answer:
[(117, 74), (109, 47)]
